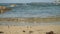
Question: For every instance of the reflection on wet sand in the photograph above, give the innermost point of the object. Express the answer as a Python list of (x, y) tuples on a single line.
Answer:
[(31, 19)]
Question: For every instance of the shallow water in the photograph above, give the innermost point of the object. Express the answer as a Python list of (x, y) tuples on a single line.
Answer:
[(28, 24)]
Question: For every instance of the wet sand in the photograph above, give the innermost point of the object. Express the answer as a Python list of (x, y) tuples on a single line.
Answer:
[(39, 29), (57, 19)]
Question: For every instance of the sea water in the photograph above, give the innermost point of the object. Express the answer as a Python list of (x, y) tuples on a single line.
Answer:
[(31, 10)]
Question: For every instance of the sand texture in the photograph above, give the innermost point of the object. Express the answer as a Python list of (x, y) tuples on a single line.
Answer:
[(29, 29)]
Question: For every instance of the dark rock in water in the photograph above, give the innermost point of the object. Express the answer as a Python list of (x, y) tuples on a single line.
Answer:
[(3, 9)]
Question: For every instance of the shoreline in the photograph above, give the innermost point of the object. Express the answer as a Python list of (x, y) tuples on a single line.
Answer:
[(33, 19)]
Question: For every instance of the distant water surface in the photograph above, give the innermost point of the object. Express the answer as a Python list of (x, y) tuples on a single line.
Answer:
[(31, 10)]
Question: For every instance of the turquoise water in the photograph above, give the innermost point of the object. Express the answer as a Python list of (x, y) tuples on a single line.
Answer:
[(31, 10)]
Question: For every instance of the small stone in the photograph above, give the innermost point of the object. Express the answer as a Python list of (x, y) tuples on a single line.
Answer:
[(23, 31)]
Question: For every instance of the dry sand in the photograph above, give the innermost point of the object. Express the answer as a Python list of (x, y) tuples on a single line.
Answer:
[(27, 29)]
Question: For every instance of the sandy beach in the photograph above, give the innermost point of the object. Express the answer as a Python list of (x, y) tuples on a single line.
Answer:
[(27, 29)]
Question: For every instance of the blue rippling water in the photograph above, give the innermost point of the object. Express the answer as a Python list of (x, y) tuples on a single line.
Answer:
[(31, 10)]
